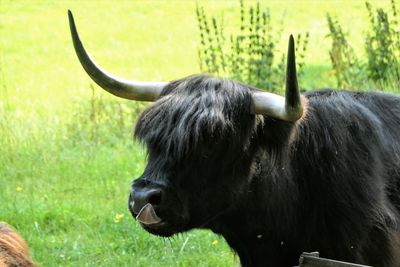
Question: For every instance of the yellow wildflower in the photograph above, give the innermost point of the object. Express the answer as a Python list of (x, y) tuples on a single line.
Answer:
[(118, 217), (19, 189)]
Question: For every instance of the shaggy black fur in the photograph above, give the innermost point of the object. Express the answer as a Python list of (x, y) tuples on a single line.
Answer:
[(329, 182)]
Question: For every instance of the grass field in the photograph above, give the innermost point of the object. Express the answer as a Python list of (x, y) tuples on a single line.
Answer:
[(65, 167)]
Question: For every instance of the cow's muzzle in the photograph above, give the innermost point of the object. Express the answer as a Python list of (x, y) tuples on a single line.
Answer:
[(142, 203)]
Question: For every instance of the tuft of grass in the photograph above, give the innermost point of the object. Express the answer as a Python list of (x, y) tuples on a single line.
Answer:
[(379, 66), (382, 45), (251, 56), (349, 72)]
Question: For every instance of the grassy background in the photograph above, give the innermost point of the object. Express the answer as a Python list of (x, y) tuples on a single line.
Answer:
[(65, 166)]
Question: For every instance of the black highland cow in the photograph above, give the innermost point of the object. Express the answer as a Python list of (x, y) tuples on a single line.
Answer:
[(275, 176)]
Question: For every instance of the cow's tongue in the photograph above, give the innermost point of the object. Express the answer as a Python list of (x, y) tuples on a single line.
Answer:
[(147, 215)]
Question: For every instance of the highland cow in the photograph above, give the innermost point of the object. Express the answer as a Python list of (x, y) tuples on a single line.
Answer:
[(13, 250), (275, 176)]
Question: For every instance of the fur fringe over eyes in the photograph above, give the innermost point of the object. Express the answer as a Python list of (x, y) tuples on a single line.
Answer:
[(196, 110)]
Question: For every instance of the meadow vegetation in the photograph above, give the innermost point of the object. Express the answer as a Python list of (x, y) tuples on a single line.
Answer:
[(379, 65), (67, 156)]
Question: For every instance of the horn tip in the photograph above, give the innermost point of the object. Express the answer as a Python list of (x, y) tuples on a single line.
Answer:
[(291, 39), (70, 17)]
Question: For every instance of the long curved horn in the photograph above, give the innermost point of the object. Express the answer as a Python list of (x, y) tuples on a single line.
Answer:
[(288, 108), (134, 90)]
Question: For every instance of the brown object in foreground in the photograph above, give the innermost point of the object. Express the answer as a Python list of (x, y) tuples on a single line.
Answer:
[(13, 250)]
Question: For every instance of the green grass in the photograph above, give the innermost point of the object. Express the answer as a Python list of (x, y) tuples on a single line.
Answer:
[(74, 169)]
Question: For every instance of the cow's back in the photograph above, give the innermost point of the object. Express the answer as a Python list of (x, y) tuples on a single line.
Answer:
[(348, 164), (382, 111)]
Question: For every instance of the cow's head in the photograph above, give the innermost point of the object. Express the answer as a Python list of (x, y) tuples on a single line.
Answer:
[(199, 135)]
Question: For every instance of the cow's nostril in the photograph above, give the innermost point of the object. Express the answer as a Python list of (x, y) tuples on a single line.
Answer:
[(141, 196), (155, 197)]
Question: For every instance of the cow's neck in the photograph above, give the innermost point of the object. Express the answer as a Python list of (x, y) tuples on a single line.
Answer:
[(260, 228), (260, 240), (261, 224)]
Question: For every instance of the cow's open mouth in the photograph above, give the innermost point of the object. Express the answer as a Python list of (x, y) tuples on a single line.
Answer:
[(148, 216), (152, 223), (158, 219)]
